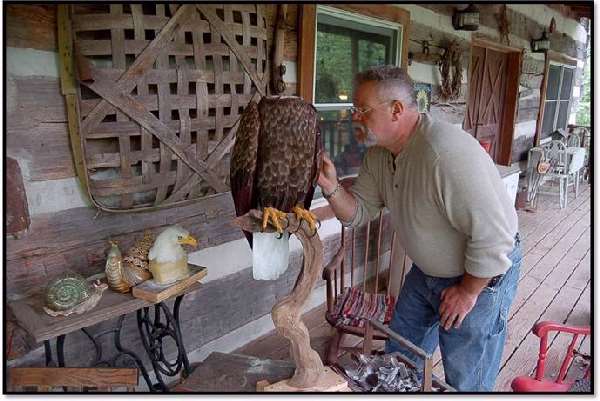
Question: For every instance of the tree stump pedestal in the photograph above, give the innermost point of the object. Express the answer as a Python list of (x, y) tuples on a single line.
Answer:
[(310, 374)]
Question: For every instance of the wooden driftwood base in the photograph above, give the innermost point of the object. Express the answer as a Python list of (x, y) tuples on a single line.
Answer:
[(329, 381), (287, 313)]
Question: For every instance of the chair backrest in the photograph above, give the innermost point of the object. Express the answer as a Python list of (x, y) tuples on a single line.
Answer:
[(377, 238), (535, 156), (77, 379), (556, 153), (573, 140), (542, 330)]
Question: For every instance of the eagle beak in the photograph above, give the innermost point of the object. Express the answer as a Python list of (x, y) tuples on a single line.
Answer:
[(189, 240)]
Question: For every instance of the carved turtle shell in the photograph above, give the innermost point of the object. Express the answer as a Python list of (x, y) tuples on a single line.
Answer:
[(67, 291)]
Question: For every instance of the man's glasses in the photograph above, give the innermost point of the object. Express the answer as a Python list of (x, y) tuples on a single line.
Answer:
[(362, 111)]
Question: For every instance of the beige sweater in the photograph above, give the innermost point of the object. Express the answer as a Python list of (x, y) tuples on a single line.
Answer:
[(447, 201)]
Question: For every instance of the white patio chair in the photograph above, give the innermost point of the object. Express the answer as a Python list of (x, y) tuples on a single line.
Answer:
[(564, 166), (535, 157), (573, 140)]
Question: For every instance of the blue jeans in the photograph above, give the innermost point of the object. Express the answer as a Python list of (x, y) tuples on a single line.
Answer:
[(471, 354)]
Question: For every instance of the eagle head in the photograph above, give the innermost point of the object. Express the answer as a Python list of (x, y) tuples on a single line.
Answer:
[(167, 246)]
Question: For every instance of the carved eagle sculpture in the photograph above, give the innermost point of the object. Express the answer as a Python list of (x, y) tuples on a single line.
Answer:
[(275, 163)]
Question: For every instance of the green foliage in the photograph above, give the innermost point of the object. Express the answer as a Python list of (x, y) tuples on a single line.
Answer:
[(584, 112), (334, 64)]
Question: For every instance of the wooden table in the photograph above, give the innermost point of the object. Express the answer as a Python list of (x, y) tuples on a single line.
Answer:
[(43, 327)]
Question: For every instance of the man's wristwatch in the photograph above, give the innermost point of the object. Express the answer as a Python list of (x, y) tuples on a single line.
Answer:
[(332, 193)]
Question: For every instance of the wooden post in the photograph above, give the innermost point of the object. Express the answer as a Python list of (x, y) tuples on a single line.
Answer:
[(68, 88), (310, 374), (277, 67)]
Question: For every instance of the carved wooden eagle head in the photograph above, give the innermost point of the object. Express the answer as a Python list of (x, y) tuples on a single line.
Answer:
[(277, 156)]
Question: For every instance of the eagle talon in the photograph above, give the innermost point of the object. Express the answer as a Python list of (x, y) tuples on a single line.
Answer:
[(275, 217), (303, 214)]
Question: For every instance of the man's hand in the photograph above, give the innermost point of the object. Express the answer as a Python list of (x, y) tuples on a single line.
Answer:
[(456, 304), (328, 176), (458, 300)]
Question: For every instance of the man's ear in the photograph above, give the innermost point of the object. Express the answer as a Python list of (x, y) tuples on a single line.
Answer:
[(397, 109)]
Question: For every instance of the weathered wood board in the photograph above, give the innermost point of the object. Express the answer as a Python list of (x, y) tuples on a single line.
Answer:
[(42, 326), (153, 292), (234, 373), (17, 214)]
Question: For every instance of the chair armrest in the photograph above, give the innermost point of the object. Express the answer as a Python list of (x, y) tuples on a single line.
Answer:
[(334, 264), (541, 329), (427, 382)]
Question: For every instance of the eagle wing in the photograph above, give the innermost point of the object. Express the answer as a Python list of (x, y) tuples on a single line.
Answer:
[(243, 162), (316, 165)]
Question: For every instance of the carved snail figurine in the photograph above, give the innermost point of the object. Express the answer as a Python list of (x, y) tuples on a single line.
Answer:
[(72, 293)]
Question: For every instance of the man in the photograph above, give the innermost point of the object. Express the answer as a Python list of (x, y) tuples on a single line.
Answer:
[(453, 215)]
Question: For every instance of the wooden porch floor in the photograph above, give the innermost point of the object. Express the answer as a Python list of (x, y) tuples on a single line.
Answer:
[(554, 285)]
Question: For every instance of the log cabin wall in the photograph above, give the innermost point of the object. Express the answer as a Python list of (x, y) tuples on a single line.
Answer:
[(54, 228), (57, 229)]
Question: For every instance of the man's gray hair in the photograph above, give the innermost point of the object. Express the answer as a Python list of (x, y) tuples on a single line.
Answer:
[(393, 83)]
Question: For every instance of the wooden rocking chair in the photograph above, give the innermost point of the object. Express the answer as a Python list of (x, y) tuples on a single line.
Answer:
[(366, 297)]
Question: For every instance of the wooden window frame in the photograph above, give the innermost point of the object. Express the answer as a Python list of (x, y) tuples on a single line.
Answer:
[(558, 58), (307, 37)]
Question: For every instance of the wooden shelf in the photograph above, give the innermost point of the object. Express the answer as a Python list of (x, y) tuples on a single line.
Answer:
[(42, 326)]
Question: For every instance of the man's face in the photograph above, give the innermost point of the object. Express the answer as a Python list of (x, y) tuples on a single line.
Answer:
[(370, 121)]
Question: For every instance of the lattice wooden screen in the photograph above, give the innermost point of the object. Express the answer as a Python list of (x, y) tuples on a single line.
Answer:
[(161, 90)]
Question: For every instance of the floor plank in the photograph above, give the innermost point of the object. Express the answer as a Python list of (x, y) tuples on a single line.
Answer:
[(551, 301)]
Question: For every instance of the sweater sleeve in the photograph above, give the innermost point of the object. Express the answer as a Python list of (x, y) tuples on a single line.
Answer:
[(366, 191), (469, 191)]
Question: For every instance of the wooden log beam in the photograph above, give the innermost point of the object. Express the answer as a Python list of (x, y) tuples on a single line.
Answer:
[(277, 68), (31, 26)]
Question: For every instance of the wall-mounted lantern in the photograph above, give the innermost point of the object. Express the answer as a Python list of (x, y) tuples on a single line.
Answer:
[(540, 45), (467, 19)]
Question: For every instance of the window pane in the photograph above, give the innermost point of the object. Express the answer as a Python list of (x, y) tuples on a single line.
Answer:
[(345, 47), (563, 114), (548, 123), (567, 84), (553, 82), (371, 54), (334, 78), (340, 142)]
